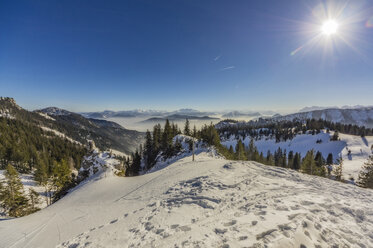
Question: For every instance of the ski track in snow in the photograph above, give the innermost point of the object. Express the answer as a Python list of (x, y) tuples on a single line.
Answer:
[(209, 203)]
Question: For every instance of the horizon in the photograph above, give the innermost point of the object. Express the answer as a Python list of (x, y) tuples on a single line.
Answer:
[(214, 111), (250, 55)]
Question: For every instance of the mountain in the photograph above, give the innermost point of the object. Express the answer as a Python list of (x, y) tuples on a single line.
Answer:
[(126, 113), (238, 114), (106, 134), (178, 117), (356, 116), (144, 113), (211, 202), (312, 108)]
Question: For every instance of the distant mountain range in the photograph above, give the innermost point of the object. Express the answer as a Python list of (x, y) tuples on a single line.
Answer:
[(312, 108), (75, 127), (361, 116), (179, 117), (144, 113), (238, 114)]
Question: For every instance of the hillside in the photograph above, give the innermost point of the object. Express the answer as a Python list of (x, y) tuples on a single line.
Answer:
[(360, 148), (208, 203), (75, 127), (362, 116)]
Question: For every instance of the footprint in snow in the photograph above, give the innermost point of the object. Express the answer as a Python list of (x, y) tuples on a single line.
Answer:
[(113, 221), (230, 223)]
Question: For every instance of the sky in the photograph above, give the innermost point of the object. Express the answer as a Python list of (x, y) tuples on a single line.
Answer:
[(207, 55)]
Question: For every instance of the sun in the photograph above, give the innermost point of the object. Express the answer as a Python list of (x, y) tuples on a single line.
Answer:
[(329, 27)]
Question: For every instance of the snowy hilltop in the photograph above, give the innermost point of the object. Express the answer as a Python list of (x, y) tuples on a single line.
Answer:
[(211, 202)]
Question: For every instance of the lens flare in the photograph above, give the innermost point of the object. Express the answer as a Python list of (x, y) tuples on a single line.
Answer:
[(369, 23)]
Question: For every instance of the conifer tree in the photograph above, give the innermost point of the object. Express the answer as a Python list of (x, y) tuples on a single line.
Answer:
[(187, 128), (34, 200), (291, 159), (329, 159), (194, 131), (308, 164), (167, 138), (283, 160), (12, 196), (61, 174), (269, 158), (240, 151), (320, 161), (148, 150), (366, 174), (338, 171), (60, 179), (297, 161), (157, 138)]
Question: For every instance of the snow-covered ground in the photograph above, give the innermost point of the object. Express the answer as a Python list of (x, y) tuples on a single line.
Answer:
[(360, 148), (96, 162), (208, 203)]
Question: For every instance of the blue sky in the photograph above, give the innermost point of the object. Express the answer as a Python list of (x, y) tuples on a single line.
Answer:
[(208, 55)]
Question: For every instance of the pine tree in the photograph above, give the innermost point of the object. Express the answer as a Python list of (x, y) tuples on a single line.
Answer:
[(240, 151), (320, 161), (194, 131), (339, 170), (335, 136), (308, 164), (291, 159), (297, 161), (12, 195), (167, 136), (61, 174), (148, 150), (366, 174), (283, 160), (187, 128), (135, 167), (329, 159), (269, 158), (34, 200), (251, 152), (157, 138), (60, 180)]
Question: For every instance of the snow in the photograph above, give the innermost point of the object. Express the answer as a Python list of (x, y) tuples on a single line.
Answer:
[(119, 153), (59, 134), (54, 111), (46, 116), (208, 203), (6, 114), (360, 148), (99, 162)]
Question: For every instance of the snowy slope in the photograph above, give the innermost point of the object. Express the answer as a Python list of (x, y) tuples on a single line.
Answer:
[(360, 148), (209, 203)]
